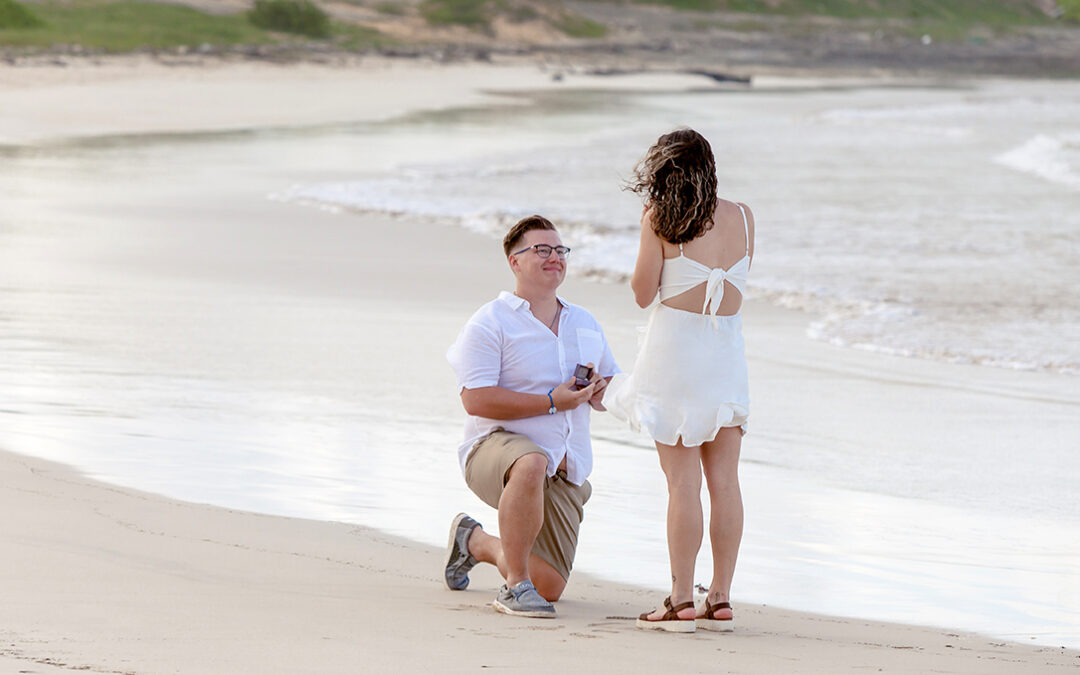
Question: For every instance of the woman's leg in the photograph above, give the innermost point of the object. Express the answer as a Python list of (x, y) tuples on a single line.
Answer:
[(720, 462), (682, 467)]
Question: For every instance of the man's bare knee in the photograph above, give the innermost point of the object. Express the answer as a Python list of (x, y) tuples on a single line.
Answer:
[(531, 468)]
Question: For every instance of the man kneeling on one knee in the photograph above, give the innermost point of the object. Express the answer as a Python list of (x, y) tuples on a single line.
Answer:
[(527, 451)]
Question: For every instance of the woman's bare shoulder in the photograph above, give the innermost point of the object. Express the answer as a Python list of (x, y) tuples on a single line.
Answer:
[(728, 211)]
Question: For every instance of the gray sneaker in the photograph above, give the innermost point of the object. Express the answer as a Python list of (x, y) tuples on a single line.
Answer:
[(523, 600), (458, 559)]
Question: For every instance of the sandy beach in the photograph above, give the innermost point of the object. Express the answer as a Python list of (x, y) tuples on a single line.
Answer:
[(130, 95), (108, 579)]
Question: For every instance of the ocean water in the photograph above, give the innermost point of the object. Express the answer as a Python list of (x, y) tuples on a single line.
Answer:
[(941, 223), (155, 334)]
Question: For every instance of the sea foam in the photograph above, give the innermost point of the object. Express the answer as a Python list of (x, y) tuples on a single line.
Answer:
[(1055, 158)]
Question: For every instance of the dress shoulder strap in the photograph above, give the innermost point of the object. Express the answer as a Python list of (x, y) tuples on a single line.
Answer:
[(746, 227)]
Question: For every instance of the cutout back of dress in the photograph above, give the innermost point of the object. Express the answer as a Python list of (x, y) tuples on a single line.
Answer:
[(680, 274)]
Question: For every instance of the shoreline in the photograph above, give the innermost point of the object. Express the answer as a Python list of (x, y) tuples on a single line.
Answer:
[(150, 584), (140, 96)]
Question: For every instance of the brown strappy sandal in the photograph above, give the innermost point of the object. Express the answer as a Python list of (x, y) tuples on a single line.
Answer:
[(709, 622), (670, 621)]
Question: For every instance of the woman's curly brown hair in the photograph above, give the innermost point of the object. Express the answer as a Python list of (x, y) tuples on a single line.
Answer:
[(677, 179)]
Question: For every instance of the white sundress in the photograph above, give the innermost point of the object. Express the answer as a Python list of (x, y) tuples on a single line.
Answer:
[(690, 378)]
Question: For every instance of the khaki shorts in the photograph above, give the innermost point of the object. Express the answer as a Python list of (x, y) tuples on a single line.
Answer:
[(486, 470)]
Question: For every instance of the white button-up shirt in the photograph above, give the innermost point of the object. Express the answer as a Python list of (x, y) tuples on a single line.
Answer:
[(504, 345)]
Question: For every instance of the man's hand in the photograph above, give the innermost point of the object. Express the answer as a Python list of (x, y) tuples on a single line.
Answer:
[(567, 397)]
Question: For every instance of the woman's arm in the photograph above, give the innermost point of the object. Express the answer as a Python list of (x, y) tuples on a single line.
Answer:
[(646, 279)]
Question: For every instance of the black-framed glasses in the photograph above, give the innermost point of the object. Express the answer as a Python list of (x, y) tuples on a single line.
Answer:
[(544, 251)]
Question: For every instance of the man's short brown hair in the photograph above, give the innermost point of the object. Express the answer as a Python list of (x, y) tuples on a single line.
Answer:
[(513, 237)]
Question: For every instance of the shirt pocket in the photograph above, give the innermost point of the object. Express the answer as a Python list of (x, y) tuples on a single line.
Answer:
[(590, 346)]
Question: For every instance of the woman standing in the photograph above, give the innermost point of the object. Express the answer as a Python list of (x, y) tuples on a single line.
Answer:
[(689, 387)]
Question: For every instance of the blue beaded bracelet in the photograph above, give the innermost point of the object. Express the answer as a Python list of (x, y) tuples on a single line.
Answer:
[(551, 410)]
